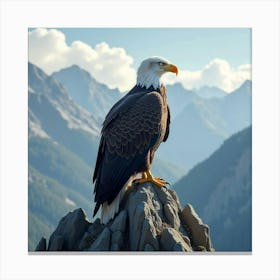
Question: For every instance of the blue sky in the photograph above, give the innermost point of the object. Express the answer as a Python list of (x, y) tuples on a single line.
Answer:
[(218, 57), (189, 48)]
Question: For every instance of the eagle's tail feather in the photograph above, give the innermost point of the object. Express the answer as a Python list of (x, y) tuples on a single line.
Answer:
[(109, 211), (96, 208)]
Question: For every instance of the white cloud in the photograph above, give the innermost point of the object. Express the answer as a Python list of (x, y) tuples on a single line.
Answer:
[(218, 72), (112, 66)]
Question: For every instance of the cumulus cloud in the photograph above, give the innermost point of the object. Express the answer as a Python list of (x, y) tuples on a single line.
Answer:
[(109, 65), (112, 66), (218, 72)]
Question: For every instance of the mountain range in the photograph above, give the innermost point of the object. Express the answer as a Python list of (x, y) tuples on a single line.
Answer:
[(65, 114), (210, 92), (93, 96), (220, 189), (201, 119), (202, 125)]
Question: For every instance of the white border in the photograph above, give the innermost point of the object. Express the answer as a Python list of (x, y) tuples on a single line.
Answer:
[(262, 16)]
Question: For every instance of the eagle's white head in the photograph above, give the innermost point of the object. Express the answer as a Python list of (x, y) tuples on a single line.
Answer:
[(151, 70)]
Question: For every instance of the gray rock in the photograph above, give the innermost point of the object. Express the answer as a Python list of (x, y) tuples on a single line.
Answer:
[(117, 241), (57, 243), (148, 235), (149, 247), (136, 217), (144, 217), (175, 197), (96, 227), (187, 240), (42, 245), (91, 235), (150, 219), (119, 223), (71, 227), (163, 195), (172, 240), (172, 216), (102, 243), (200, 233), (115, 247)]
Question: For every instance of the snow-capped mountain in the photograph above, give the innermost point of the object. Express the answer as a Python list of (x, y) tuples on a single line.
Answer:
[(95, 97), (54, 113)]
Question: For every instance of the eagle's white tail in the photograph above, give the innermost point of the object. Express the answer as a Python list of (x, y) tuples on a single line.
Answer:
[(108, 211)]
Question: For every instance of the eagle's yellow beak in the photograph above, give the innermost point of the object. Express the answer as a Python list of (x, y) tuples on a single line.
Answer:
[(171, 68)]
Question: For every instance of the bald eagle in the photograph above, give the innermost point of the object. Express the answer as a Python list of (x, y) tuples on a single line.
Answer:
[(131, 133)]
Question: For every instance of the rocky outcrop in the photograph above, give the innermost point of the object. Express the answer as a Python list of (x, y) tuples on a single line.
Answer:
[(150, 219)]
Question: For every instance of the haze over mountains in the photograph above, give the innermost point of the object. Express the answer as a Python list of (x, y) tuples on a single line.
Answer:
[(65, 113), (210, 92), (202, 124), (205, 113), (60, 152), (220, 189)]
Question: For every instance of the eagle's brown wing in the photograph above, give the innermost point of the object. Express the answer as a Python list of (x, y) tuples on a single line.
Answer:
[(167, 124), (125, 143)]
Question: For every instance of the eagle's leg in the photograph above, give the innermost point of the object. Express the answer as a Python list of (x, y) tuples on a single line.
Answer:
[(148, 177), (157, 181), (143, 179), (144, 175)]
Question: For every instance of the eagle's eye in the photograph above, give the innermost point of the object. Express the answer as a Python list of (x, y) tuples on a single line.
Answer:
[(161, 63)]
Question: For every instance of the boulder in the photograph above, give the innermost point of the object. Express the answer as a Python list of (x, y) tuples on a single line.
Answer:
[(199, 232), (71, 228), (42, 245), (150, 219)]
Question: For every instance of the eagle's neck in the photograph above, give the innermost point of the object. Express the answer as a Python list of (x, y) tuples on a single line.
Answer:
[(147, 79)]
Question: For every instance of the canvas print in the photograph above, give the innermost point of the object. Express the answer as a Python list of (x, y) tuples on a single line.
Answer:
[(139, 140)]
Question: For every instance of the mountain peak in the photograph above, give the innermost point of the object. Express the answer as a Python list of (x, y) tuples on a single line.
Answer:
[(210, 92), (86, 91), (74, 68), (247, 84), (150, 219), (34, 72), (177, 86), (75, 73), (245, 88)]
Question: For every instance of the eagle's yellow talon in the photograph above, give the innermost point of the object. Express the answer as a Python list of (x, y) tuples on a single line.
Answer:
[(147, 177)]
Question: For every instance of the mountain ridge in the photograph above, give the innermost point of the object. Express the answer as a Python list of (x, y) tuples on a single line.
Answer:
[(210, 92), (220, 189), (66, 130), (86, 91), (202, 126)]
